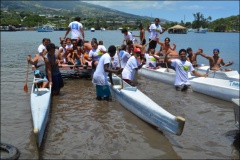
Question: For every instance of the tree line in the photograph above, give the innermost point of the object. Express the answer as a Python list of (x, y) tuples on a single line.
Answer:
[(27, 19)]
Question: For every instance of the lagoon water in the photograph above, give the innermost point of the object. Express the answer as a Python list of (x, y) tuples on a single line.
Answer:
[(82, 128)]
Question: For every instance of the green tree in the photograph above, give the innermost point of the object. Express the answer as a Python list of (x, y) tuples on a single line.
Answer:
[(34, 20)]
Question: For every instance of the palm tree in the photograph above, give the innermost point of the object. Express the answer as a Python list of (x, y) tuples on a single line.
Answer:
[(199, 18)]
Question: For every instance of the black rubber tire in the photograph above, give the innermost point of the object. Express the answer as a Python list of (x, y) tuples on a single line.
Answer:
[(13, 152)]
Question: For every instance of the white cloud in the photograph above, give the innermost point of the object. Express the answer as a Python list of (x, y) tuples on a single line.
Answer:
[(135, 4)]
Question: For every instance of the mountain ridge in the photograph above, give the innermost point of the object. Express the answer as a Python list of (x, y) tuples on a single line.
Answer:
[(72, 8)]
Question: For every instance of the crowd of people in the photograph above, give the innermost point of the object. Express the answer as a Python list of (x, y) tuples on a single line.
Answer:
[(124, 60)]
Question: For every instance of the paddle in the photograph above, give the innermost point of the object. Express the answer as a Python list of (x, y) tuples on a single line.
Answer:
[(218, 69), (148, 43), (120, 65), (25, 88), (167, 66)]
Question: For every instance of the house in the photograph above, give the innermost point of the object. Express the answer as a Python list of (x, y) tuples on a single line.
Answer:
[(177, 29)]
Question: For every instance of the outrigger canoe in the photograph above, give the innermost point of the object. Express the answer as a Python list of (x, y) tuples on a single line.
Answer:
[(40, 108), (142, 106), (229, 75), (75, 71), (218, 88), (236, 112)]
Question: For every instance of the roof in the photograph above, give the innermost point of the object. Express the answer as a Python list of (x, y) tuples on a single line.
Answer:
[(177, 27)]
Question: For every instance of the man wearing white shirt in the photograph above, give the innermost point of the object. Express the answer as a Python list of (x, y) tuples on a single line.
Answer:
[(77, 31), (96, 52), (155, 30), (42, 47), (182, 67), (128, 36), (100, 75)]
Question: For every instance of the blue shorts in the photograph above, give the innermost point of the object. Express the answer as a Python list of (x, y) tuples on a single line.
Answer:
[(103, 91), (57, 81)]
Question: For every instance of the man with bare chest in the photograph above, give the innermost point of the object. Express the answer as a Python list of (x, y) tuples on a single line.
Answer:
[(215, 61)]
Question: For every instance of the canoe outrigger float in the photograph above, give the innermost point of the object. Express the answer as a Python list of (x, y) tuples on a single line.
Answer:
[(229, 75), (218, 88), (40, 107), (142, 106)]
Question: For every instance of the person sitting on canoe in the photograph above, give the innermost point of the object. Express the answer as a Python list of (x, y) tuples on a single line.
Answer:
[(160, 59), (131, 47), (182, 67), (96, 53), (57, 79), (167, 47), (215, 61), (100, 75), (74, 58), (132, 66), (151, 61), (42, 48), (68, 46), (192, 57), (87, 47), (62, 51), (43, 69)]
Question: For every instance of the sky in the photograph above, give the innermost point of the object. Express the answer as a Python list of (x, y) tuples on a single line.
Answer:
[(174, 10)]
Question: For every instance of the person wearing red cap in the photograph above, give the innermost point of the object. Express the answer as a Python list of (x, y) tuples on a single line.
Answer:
[(132, 66), (215, 61)]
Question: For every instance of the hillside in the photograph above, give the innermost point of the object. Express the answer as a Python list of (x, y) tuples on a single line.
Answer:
[(71, 9)]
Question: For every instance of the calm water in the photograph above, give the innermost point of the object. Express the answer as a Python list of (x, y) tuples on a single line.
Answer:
[(82, 128)]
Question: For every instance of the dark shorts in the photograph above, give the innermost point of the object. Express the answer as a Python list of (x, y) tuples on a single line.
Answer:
[(152, 44), (57, 81), (184, 87), (143, 41)]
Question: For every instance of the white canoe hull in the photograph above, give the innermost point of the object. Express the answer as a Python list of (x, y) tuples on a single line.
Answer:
[(236, 112), (40, 107), (218, 88), (230, 75), (142, 106)]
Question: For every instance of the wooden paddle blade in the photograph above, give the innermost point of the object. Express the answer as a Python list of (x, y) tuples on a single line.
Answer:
[(25, 88)]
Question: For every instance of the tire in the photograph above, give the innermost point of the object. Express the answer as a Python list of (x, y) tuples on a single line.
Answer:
[(12, 151)]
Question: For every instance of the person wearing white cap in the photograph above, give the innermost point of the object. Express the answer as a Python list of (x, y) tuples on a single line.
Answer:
[(132, 66)]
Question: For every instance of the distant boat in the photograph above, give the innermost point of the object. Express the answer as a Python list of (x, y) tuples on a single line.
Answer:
[(201, 30), (103, 29), (7, 28), (120, 28), (191, 30), (45, 28), (92, 29)]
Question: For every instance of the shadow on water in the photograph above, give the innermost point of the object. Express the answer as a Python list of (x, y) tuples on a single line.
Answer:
[(234, 135)]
